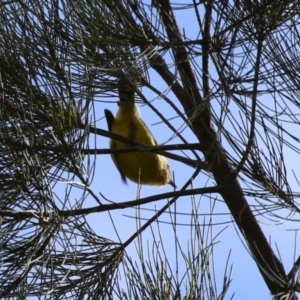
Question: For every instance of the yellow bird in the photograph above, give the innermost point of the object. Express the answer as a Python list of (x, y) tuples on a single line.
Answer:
[(140, 167)]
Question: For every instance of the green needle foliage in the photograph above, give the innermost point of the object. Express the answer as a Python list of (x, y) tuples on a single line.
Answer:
[(231, 79)]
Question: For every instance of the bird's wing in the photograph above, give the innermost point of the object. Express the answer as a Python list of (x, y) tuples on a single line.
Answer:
[(132, 131), (151, 141), (156, 144), (109, 118), (116, 161)]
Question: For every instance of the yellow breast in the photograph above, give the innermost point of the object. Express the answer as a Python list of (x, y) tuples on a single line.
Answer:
[(140, 167)]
